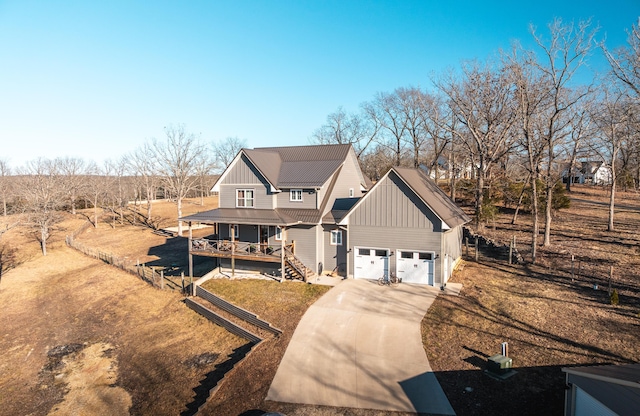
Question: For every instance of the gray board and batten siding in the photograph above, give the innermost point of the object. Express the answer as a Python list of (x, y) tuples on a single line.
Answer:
[(392, 216), (243, 175)]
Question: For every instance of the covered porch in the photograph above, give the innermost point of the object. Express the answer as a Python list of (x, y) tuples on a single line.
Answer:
[(249, 235)]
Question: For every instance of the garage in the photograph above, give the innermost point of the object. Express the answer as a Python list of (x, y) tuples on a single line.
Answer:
[(371, 263), (415, 266)]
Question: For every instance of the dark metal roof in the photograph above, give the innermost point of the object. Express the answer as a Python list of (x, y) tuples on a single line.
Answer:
[(298, 166), (433, 196), (279, 216), (300, 216), (239, 216), (340, 208)]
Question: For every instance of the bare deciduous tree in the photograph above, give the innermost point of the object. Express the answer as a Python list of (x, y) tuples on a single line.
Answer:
[(482, 101), (614, 118), (225, 150), (625, 61), (141, 164), (344, 128), (176, 160), (43, 195), (386, 111), (5, 183), (564, 54)]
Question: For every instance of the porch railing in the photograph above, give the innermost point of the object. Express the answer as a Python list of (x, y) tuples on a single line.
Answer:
[(239, 247)]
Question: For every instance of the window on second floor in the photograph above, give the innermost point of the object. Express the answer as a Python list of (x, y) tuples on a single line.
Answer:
[(336, 237), (295, 195), (244, 198)]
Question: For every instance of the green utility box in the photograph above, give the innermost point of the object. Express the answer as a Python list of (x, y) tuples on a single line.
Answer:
[(499, 364)]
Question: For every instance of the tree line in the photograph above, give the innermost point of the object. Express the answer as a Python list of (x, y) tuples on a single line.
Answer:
[(176, 167), (524, 116)]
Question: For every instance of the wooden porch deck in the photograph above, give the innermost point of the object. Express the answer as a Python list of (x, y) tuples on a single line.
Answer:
[(240, 250)]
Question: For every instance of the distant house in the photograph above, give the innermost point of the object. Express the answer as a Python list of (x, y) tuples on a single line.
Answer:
[(602, 390), (588, 172), (301, 210)]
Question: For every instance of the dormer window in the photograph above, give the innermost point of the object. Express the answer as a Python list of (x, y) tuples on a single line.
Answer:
[(295, 195), (244, 198)]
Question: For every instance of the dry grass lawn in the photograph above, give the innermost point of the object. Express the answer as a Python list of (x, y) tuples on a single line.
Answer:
[(68, 320), (549, 320)]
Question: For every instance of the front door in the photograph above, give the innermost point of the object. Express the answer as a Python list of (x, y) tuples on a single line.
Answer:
[(264, 237)]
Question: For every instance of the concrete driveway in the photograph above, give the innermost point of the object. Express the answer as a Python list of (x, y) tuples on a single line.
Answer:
[(360, 346)]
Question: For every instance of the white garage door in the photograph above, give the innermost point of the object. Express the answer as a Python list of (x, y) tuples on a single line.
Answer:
[(371, 263), (415, 266)]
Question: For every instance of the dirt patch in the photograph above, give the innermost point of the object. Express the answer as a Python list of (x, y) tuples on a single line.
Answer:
[(89, 376)]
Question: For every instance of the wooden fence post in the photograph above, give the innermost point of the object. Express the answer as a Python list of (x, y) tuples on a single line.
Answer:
[(182, 276), (162, 279), (466, 245), (610, 278)]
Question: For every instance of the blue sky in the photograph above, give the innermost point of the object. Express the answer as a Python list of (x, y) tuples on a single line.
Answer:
[(94, 80)]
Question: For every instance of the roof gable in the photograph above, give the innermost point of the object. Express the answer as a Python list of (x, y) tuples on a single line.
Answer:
[(428, 192)]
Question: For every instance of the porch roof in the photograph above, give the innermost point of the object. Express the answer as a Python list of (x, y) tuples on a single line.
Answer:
[(281, 217)]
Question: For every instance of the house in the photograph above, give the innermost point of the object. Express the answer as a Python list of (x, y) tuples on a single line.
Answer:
[(602, 390), (303, 210), (589, 172)]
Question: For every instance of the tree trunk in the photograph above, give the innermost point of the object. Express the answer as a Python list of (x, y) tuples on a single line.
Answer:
[(612, 198), (148, 204), (43, 236), (534, 218), (479, 197), (179, 201), (547, 213), (95, 212)]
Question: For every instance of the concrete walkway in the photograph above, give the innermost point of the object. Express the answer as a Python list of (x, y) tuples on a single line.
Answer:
[(360, 346)]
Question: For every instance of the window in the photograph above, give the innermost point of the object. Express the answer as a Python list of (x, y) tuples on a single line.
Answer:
[(364, 251), (278, 234), (336, 237), (425, 256), (234, 231), (295, 195), (244, 198), (382, 253), (406, 254), (350, 192)]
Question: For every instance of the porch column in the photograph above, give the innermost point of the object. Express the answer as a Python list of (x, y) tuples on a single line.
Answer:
[(282, 265), (233, 249)]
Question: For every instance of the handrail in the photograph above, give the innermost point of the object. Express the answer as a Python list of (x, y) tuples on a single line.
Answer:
[(239, 247)]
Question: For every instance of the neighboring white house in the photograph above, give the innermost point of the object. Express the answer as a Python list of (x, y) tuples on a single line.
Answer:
[(589, 172)]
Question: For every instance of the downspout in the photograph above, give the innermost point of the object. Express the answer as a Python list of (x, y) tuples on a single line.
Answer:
[(348, 250), (442, 257)]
